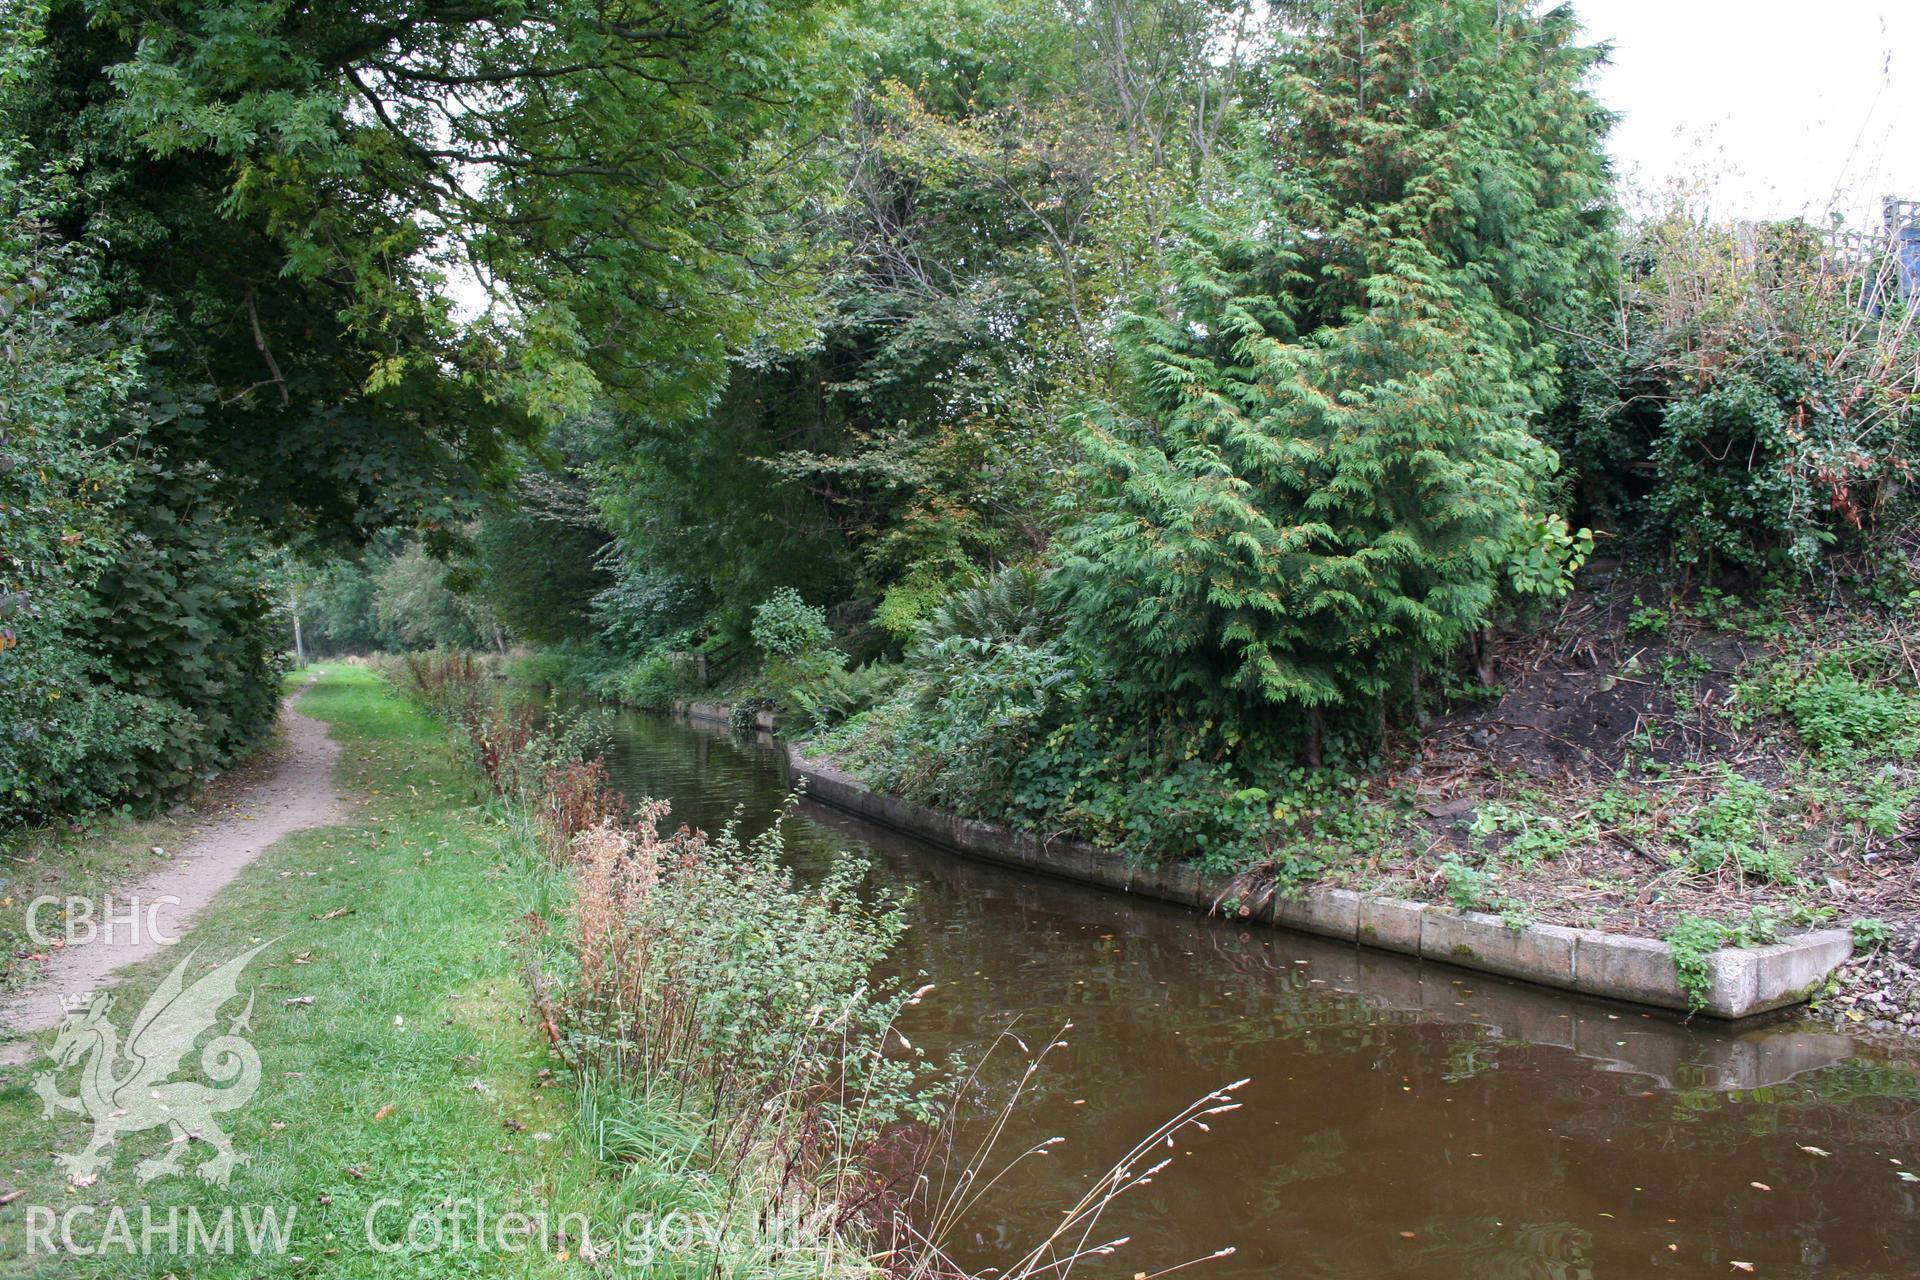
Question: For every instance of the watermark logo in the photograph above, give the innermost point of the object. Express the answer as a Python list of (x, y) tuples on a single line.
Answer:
[(127, 1088), (77, 921)]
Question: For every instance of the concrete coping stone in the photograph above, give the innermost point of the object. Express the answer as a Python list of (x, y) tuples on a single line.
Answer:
[(721, 714), (1745, 981)]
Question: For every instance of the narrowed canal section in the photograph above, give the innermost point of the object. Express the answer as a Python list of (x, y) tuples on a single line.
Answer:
[(1403, 1119)]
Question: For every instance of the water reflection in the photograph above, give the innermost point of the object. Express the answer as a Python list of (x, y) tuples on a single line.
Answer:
[(1404, 1118)]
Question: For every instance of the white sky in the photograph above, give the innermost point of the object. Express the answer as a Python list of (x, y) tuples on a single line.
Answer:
[(1782, 107)]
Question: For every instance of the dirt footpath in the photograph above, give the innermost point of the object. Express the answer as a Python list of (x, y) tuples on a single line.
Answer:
[(295, 793)]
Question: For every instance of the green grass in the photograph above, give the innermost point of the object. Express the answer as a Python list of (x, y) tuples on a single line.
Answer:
[(417, 1006)]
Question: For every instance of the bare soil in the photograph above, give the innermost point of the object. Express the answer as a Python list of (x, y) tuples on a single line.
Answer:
[(1629, 691)]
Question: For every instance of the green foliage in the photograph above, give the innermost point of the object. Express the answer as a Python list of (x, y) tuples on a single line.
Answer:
[(535, 561), (295, 190), (337, 609), (1730, 827), (1016, 605), (743, 715), (836, 696), (66, 736), (1835, 710), (1646, 619), (418, 608), (641, 609), (1880, 804), (1528, 835), (1544, 556), (140, 640), (1331, 450), (698, 505), (708, 969), (190, 618), (1468, 888), (785, 626), (1694, 939), (654, 681), (1870, 933), (1735, 404), (1007, 171), (1739, 514), (965, 718)]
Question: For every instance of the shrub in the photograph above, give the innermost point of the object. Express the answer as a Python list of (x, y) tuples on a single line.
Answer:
[(642, 611), (705, 968), (1468, 888), (1737, 405), (968, 717), (140, 639), (655, 681), (785, 626)]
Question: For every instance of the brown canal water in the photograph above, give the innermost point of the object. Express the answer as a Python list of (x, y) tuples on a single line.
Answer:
[(1402, 1119)]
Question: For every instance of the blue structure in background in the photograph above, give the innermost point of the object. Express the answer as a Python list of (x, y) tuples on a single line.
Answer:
[(1902, 218), (1890, 262), (1906, 252)]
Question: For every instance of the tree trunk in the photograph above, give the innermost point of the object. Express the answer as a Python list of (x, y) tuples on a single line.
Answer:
[(1486, 669)]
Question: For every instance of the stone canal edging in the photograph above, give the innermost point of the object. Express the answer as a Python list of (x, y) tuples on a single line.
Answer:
[(719, 713), (1745, 981)]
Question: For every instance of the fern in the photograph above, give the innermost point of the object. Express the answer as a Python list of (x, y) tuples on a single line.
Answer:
[(837, 696)]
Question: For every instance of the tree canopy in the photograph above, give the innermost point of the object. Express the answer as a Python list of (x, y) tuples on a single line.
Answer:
[(1244, 361)]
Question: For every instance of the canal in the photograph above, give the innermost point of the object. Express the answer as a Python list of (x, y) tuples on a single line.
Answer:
[(1401, 1119)]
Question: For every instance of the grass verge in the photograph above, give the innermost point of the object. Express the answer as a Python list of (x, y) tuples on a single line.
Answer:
[(400, 1067)]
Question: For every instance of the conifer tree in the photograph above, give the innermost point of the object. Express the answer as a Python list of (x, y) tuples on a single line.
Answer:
[(1329, 457)]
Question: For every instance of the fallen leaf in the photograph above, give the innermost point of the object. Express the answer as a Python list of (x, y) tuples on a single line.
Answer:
[(1815, 1151), (384, 1112), (1742, 1266)]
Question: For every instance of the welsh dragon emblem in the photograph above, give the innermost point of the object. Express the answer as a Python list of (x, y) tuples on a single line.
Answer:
[(127, 1090)]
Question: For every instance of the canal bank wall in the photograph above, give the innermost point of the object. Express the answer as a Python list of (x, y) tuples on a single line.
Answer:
[(1745, 982)]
